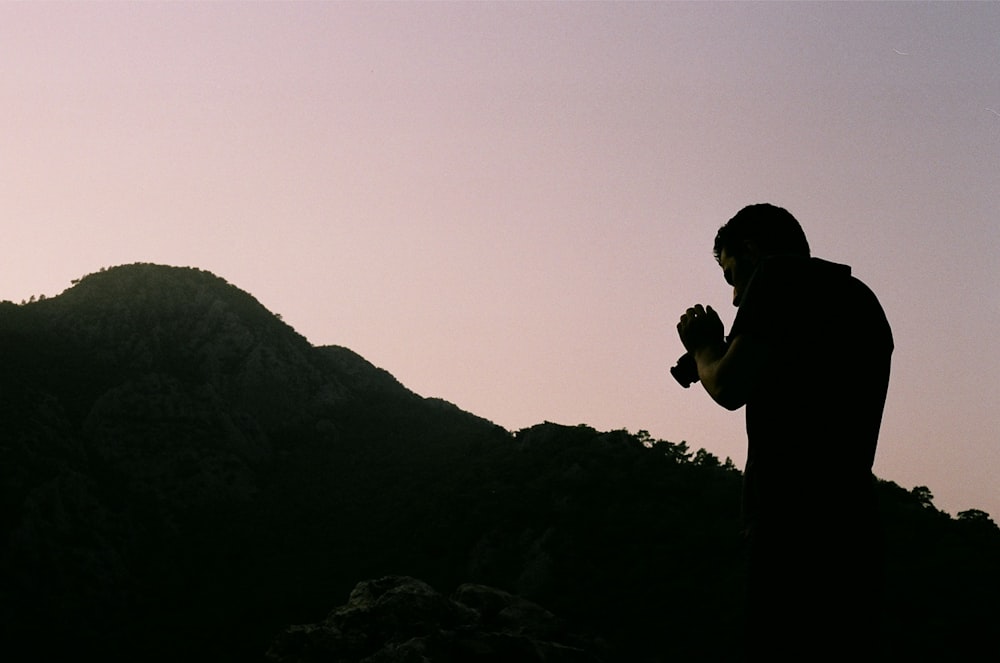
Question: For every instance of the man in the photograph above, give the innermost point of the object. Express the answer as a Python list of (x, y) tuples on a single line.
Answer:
[(808, 355)]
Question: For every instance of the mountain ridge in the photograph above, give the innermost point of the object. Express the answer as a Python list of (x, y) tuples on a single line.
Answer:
[(144, 316), (145, 396)]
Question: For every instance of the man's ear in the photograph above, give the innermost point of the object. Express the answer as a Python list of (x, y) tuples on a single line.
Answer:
[(752, 250)]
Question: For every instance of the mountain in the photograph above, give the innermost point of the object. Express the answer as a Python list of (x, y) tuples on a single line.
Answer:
[(183, 477), (157, 424)]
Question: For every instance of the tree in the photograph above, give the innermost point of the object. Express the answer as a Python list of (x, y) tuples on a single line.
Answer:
[(677, 452), (924, 496), (702, 457), (975, 516)]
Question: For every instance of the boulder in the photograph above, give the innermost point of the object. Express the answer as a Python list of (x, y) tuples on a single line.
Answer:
[(398, 619)]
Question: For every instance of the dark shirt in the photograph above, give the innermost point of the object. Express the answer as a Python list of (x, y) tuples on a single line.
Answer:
[(814, 414)]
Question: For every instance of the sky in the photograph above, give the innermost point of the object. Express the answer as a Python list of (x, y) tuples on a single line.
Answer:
[(508, 205)]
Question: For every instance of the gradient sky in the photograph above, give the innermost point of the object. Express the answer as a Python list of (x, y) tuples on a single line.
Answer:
[(509, 205)]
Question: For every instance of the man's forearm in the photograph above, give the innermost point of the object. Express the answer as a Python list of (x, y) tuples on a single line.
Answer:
[(723, 372)]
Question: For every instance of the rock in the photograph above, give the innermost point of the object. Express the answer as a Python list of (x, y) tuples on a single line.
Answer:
[(398, 619), (499, 610)]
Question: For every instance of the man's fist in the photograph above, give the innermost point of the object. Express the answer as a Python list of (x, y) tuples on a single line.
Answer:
[(700, 326)]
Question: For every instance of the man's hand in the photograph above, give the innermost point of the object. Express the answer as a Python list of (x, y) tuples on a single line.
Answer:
[(700, 327), (728, 372)]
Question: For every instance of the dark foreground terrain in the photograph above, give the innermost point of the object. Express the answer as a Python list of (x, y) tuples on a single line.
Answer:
[(183, 477)]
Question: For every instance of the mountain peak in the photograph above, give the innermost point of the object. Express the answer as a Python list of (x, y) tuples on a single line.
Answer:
[(155, 285), (158, 301)]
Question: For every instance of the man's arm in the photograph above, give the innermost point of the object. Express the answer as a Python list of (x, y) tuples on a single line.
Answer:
[(727, 371)]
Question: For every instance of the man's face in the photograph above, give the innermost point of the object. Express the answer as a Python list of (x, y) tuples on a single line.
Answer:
[(737, 270)]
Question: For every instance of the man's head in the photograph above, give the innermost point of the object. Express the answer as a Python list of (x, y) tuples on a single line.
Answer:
[(756, 232)]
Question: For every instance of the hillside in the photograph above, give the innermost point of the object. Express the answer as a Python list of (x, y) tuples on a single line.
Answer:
[(182, 476)]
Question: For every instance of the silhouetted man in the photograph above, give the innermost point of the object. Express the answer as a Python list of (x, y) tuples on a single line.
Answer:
[(808, 355)]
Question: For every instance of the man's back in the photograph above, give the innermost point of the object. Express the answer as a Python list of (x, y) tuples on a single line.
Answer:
[(814, 415)]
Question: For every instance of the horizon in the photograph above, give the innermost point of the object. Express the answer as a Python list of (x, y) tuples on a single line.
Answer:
[(507, 206), (485, 416)]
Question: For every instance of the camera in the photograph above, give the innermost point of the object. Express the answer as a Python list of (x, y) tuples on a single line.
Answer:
[(685, 371)]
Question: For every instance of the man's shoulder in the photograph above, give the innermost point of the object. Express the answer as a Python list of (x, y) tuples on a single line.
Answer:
[(791, 292), (808, 281), (799, 267)]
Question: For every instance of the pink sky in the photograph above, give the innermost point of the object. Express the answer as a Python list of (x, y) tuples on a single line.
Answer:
[(508, 205)]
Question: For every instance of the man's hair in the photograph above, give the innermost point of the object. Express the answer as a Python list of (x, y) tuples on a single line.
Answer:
[(772, 228)]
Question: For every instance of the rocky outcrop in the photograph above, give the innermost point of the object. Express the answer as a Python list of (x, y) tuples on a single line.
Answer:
[(398, 619)]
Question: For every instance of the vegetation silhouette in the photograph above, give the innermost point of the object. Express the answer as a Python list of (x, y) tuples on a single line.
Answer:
[(183, 476)]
